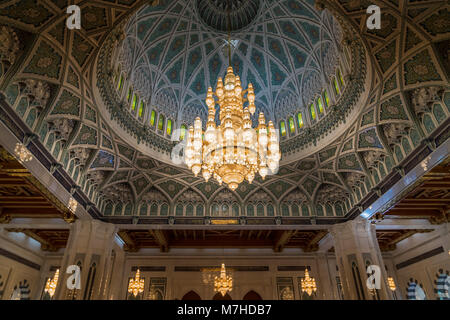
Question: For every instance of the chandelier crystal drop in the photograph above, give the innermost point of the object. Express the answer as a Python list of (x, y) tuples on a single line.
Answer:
[(50, 286), (136, 285), (73, 204), (233, 150), (223, 283), (308, 284), (22, 153)]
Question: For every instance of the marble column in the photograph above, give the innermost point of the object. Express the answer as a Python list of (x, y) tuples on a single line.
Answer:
[(89, 246), (356, 247)]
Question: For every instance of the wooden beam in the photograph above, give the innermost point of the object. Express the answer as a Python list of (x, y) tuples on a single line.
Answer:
[(45, 244), (161, 239), (313, 244)]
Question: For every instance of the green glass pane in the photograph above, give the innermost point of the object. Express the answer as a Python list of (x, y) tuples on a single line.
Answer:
[(313, 112), (161, 123), (327, 99), (336, 87), (130, 91), (141, 109), (152, 118), (319, 103), (133, 105), (169, 127), (183, 132), (341, 80), (291, 125), (283, 129), (300, 120)]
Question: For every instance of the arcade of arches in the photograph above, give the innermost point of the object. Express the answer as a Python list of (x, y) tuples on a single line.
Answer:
[(91, 120)]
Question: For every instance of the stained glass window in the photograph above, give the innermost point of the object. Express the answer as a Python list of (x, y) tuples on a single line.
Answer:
[(327, 99), (291, 125), (320, 105), (169, 127), (283, 128), (135, 99), (336, 87), (341, 80), (300, 120), (152, 118), (141, 109), (182, 132), (161, 122), (120, 84), (313, 112)]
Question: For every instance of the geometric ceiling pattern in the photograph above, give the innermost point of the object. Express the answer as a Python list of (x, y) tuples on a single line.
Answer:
[(287, 51), (47, 75)]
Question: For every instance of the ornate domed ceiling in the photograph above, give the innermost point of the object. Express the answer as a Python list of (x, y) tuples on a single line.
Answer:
[(175, 50)]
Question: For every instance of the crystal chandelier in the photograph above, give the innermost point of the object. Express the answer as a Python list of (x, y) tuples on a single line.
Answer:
[(391, 284), (50, 286), (223, 283), (136, 285), (308, 284), (232, 151), (22, 153)]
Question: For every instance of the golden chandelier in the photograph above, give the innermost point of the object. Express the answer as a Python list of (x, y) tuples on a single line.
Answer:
[(136, 285), (233, 150), (50, 286), (391, 284), (224, 283), (308, 284)]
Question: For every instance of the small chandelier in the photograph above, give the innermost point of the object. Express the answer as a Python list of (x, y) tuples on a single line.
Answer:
[(308, 284), (50, 286), (22, 153), (223, 283), (73, 204), (136, 285), (391, 284)]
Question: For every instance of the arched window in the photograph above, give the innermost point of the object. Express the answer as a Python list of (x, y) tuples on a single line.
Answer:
[(164, 209), (300, 120), (357, 281), (319, 104), (152, 118), (235, 210), (135, 101), (141, 109), (199, 210), (120, 84), (260, 210), (282, 128), (313, 111), (250, 211), (443, 285), (284, 210), (130, 93), (291, 125), (336, 87), (190, 210), (340, 79), (161, 122), (326, 98), (169, 127), (415, 291), (270, 210), (154, 209), (179, 210), (182, 132)]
